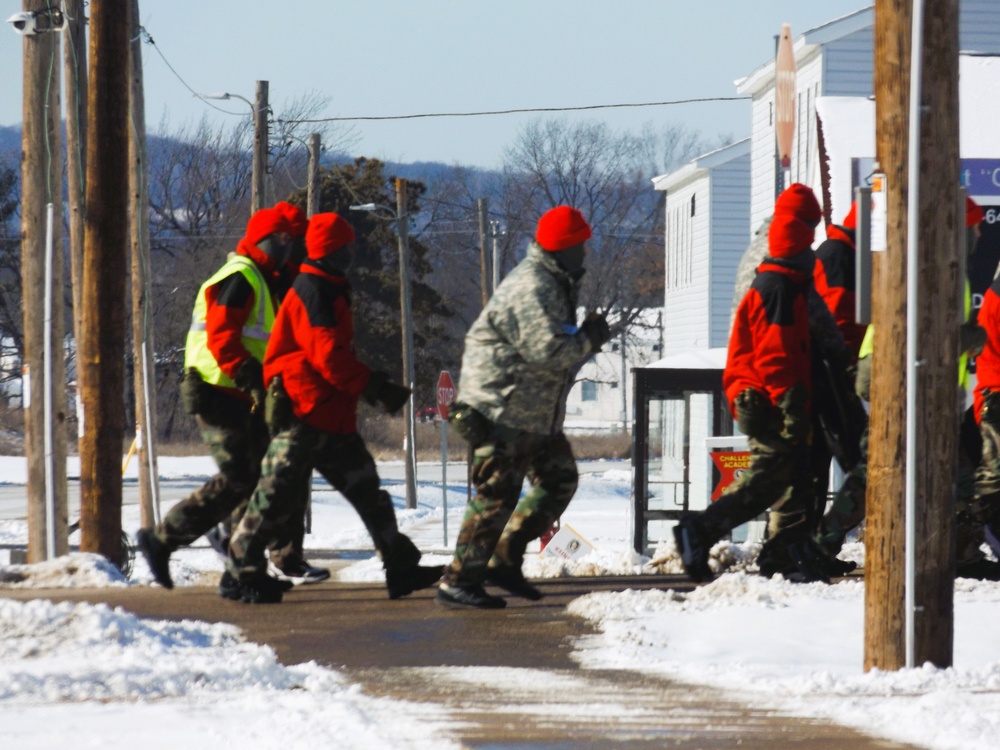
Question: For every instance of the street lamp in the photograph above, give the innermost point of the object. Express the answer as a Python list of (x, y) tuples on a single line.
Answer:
[(260, 111), (400, 216)]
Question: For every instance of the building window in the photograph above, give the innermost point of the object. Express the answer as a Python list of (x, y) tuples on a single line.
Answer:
[(614, 386), (614, 347), (679, 248), (692, 204), (589, 390)]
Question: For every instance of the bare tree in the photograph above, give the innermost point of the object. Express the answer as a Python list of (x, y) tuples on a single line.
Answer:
[(606, 175)]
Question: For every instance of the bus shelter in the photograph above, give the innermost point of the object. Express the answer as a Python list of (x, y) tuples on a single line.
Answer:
[(680, 418)]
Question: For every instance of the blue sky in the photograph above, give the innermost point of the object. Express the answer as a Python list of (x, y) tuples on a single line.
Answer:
[(395, 57)]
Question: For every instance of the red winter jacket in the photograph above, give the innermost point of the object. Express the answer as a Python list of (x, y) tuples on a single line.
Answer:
[(988, 361), (835, 281), (229, 304), (312, 349), (769, 343)]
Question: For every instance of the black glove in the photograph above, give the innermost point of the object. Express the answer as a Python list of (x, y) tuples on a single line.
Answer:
[(595, 327), (375, 382), (392, 396), (753, 412), (972, 339), (795, 416), (278, 411), (195, 392), (250, 379)]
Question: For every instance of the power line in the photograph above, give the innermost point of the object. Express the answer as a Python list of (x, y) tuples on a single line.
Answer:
[(518, 111), (148, 39)]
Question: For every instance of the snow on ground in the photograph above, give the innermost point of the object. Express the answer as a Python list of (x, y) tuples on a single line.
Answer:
[(78, 672)]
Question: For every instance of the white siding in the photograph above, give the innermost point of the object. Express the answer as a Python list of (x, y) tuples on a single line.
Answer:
[(762, 166), (687, 267), (849, 65), (808, 82), (730, 187)]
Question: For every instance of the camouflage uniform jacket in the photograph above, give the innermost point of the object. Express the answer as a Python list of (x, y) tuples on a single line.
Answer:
[(519, 352)]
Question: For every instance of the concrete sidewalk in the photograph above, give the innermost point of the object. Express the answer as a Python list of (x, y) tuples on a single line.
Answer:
[(529, 692)]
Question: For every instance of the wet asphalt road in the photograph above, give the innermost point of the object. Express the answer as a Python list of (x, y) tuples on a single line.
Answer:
[(502, 679)]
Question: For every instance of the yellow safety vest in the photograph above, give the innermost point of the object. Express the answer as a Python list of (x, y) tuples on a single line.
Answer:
[(963, 360), (255, 333)]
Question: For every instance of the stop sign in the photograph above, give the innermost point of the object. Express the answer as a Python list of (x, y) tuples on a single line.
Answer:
[(445, 392)]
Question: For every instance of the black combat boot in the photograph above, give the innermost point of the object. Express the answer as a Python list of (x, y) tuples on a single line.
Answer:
[(467, 597), (402, 581), (263, 589), (512, 579), (693, 546), (157, 556), (229, 588)]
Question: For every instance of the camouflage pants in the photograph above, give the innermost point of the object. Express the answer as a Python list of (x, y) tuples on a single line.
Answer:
[(237, 440), (984, 503), (287, 548), (344, 461), (778, 478), (497, 527), (848, 508)]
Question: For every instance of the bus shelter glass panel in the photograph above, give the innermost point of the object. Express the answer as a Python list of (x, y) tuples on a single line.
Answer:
[(677, 476)]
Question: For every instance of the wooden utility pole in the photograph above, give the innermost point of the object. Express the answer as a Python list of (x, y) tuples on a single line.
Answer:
[(406, 316), (312, 191), (102, 350), (258, 194), (75, 73), (144, 374), (484, 264), (937, 319), (44, 382)]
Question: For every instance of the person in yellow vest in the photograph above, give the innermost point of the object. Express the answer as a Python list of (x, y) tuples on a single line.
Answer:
[(223, 387)]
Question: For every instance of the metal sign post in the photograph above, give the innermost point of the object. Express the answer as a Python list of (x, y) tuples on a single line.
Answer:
[(445, 396)]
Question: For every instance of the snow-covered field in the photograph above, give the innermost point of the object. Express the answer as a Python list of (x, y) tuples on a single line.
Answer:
[(82, 674)]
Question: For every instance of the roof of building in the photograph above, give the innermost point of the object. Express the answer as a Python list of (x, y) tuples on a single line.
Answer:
[(807, 45), (701, 164)]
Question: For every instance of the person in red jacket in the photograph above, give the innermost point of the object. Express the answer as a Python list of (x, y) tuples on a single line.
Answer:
[(767, 380), (315, 382), (223, 388), (833, 276), (286, 552), (979, 520)]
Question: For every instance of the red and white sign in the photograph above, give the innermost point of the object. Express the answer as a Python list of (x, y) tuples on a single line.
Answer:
[(445, 393)]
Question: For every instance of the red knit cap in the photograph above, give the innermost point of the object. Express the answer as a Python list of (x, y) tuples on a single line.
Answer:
[(799, 201), (560, 228), (973, 213), (296, 217), (851, 220), (264, 222), (327, 233), (796, 214)]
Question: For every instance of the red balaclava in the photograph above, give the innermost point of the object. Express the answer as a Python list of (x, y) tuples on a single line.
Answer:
[(973, 213), (296, 218), (327, 233), (851, 220), (796, 214)]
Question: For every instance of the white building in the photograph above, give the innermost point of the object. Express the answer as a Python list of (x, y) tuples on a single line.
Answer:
[(832, 60), (707, 214)]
